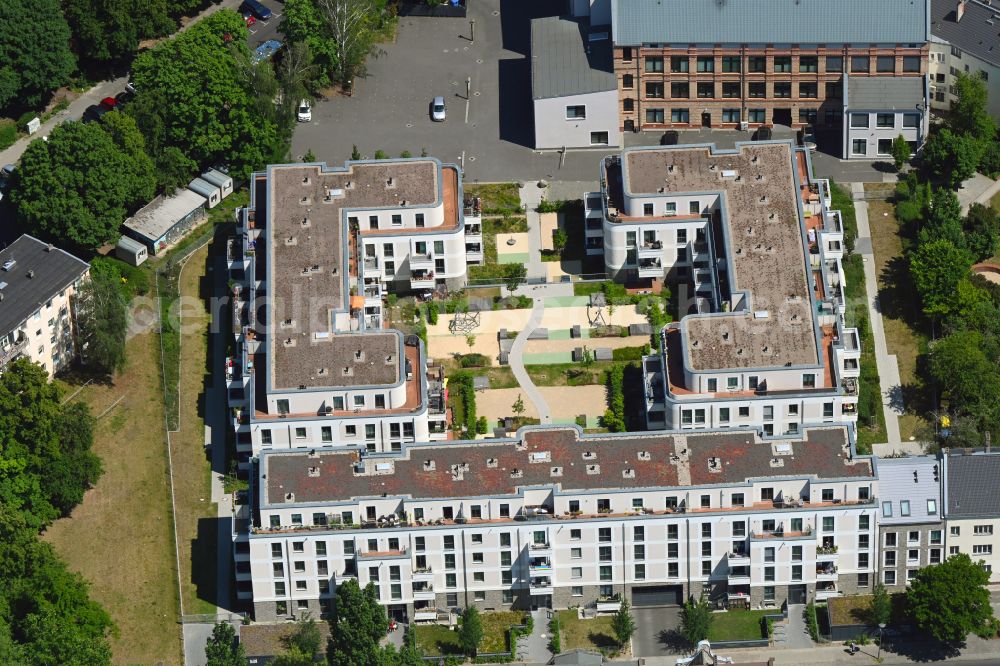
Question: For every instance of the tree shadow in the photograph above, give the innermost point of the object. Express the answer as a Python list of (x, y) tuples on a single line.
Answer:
[(922, 650), (897, 295), (602, 641), (672, 640)]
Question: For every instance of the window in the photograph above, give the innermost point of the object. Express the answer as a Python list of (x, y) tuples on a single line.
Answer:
[(808, 64), (672, 530), (796, 572), (419, 219), (638, 533), (862, 560), (757, 64), (576, 591), (574, 535), (628, 104), (827, 410), (913, 556), (627, 54), (706, 90), (654, 116), (730, 89), (827, 494), (756, 116), (783, 63), (890, 540), (782, 89), (796, 553), (604, 553), (889, 577), (397, 220), (769, 554), (913, 537), (885, 64), (694, 207), (598, 138), (265, 437), (757, 90), (679, 64), (808, 89), (889, 558), (953, 550), (577, 111), (834, 63), (640, 572), (282, 406), (862, 580), (911, 63), (654, 63), (911, 120), (859, 147), (706, 64), (680, 90), (647, 209), (955, 530), (279, 588), (769, 574), (724, 415), (860, 64), (604, 573), (673, 570), (627, 81), (863, 541), (980, 530), (828, 523), (885, 120), (373, 221), (982, 549), (604, 535), (934, 557), (654, 89), (706, 568), (680, 116)]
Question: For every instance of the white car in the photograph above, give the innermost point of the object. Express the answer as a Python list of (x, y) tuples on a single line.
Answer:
[(437, 109), (305, 111)]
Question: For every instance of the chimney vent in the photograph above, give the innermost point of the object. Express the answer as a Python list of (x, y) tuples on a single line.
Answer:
[(960, 11)]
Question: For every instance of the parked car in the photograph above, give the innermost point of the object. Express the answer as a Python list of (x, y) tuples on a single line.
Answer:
[(109, 103), (256, 8), (437, 109), (305, 111), (94, 112), (762, 133), (670, 138), (266, 50), (249, 18), (124, 97)]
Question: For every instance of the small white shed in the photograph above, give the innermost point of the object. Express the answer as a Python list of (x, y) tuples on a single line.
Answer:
[(131, 251), (220, 180), (211, 193)]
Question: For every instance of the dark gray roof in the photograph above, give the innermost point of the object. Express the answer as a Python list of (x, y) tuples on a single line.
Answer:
[(769, 21), (972, 34), (51, 269), (560, 62), (971, 485), (915, 480), (890, 93)]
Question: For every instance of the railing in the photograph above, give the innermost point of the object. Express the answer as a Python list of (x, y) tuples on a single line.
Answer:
[(9, 353)]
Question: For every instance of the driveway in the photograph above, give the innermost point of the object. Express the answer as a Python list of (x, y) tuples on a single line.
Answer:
[(656, 631)]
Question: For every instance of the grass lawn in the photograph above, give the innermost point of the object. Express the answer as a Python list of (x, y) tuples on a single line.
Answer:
[(491, 270), (434, 639), (120, 538), (196, 527), (495, 626), (555, 374), (502, 198), (995, 202), (738, 625), (591, 634), (855, 609), (905, 332)]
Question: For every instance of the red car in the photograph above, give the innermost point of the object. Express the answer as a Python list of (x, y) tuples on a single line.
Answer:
[(250, 19), (109, 103)]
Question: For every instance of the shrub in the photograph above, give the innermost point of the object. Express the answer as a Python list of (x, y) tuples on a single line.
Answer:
[(8, 134), (482, 426), (614, 417), (628, 353), (432, 312), (555, 644), (474, 360), (381, 154), (812, 622)]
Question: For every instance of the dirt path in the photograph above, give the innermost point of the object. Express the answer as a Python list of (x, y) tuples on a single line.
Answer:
[(564, 402)]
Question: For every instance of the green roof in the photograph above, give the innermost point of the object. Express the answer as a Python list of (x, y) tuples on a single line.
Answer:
[(858, 22)]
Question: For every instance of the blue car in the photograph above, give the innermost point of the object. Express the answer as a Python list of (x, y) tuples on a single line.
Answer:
[(257, 9), (266, 50)]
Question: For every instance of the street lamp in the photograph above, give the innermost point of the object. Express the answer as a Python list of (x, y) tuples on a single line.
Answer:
[(881, 626)]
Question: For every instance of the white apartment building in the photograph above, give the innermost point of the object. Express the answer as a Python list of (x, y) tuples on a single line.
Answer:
[(964, 39), (317, 249), (748, 241), (38, 283), (972, 507), (556, 518)]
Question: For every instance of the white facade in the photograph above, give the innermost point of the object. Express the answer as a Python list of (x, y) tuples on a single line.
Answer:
[(869, 133), (946, 62), (577, 121), (47, 336), (977, 538)]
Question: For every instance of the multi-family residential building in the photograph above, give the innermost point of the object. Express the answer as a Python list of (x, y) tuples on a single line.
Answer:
[(38, 283), (964, 39), (911, 518), (556, 518), (317, 249), (740, 65), (972, 507), (748, 242)]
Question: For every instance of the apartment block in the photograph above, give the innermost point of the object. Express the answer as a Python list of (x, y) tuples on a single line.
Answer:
[(316, 251), (739, 65), (557, 518), (972, 506), (964, 40), (748, 242), (38, 284), (911, 520)]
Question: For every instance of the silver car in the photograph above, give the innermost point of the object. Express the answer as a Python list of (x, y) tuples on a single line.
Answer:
[(437, 109)]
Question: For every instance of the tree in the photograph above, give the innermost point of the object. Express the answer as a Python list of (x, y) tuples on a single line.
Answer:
[(518, 406), (351, 25), (964, 363), (222, 648), (102, 315), (357, 625), (410, 655), (900, 152), (951, 157), (470, 340), (982, 231), (35, 58), (79, 186), (937, 267), (514, 275), (559, 240), (696, 620), (303, 24), (105, 31), (623, 624), (355, 153), (949, 600), (304, 643), (471, 631), (881, 608), (969, 113), (944, 219)]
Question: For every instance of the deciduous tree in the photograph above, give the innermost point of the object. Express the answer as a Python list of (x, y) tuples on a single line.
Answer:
[(102, 315), (357, 625), (982, 231), (623, 624), (948, 601), (105, 31), (223, 649), (952, 157), (964, 363), (696, 620), (471, 631), (35, 57), (937, 267)]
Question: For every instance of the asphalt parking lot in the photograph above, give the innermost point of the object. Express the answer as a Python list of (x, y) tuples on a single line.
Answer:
[(656, 631), (261, 31)]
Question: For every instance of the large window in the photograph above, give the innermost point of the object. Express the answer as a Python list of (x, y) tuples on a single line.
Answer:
[(706, 89), (757, 89), (654, 64), (783, 63), (884, 147), (654, 89), (730, 116), (680, 115), (885, 64), (911, 120), (834, 63), (598, 138), (782, 89), (885, 120), (859, 120), (731, 89), (576, 111), (679, 64), (808, 89), (757, 64), (680, 90), (860, 64), (911, 63), (627, 81), (808, 64), (730, 63), (756, 116), (654, 115), (706, 64)]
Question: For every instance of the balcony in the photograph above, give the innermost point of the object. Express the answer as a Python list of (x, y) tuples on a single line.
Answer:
[(650, 268), (383, 554), (11, 352), (826, 573), (428, 614), (473, 230), (650, 249), (826, 554), (780, 533), (371, 265), (741, 593), (540, 586), (738, 559), (739, 575), (418, 261), (540, 550), (473, 250), (422, 280), (423, 592), (540, 565), (423, 575), (609, 604), (826, 591)]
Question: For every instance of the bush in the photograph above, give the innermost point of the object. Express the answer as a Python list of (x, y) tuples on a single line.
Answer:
[(614, 416), (628, 353), (555, 644), (812, 622), (8, 134), (432, 312), (482, 426), (474, 361)]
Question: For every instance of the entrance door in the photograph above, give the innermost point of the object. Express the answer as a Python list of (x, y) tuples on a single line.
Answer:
[(706, 119), (783, 117), (796, 594), (397, 612)]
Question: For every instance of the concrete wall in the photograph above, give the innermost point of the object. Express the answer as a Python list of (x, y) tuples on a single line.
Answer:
[(553, 130)]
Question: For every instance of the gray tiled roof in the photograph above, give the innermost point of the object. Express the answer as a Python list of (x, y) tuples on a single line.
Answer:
[(889, 93), (914, 480), (971, 485), (972, 34), (560, 62), (51, 269), (860, 22)]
